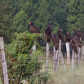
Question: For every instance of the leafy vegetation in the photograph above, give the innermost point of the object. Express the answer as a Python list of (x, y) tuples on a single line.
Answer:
[(6, 19), (16, 15), (75, 15), (22, 62)]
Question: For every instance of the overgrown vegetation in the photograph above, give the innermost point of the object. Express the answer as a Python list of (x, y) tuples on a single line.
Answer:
[(14, 27), (22, 62)]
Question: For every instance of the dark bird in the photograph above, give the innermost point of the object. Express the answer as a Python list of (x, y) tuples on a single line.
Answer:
[(55, 41), (67, 37), (48, 34), (34, 29), (79, 34), (73, 45), (78, 42), (78, 38), (60, 35)]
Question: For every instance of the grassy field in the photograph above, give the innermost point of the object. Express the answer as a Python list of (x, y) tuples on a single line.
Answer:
[(0, 81), (75, 76)]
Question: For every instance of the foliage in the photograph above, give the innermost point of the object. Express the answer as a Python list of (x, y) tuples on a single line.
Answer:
[(44, 12), (0, 81), (75, 15), (16, 14), (6, 18), (22, 62)]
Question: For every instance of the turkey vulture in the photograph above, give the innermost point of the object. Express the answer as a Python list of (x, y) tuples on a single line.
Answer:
[(79, 34), (55, 41), (78, 42), (60, 34), (73, 44), (48, 33), (78, 38), (67, 37), (34, 29)]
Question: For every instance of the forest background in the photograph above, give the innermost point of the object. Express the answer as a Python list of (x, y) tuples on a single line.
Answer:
[(15, 16)]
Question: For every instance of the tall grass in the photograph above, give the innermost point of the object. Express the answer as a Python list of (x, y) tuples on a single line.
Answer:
[(0, 81), (75, 76)]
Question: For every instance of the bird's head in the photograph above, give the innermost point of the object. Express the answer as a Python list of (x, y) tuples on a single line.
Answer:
[(60, 30), (67, 33), (78, 29), (31, 23), (71, 39), (53, 34), (50, 26)]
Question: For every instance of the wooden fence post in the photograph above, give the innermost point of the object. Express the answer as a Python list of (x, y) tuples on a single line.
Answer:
[(3, 62), (82, 55), (62, 59), (59, 55), (55, 59), (73, 57), (34, 47), (68, 53), (47, 56), (79, 54)]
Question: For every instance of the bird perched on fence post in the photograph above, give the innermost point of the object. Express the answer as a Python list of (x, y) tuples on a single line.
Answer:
[(78, 43), (67, 37), (55, 41), (35, 29), (61, 38), (48, 34), (79, 34), (67, 41), (74, 52), (73, 45), (60, 35)]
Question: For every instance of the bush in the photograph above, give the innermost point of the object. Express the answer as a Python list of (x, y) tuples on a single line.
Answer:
[(21, 63)]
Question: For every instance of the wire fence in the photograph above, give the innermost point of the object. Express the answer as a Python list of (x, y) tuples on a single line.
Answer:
[(51, 60)]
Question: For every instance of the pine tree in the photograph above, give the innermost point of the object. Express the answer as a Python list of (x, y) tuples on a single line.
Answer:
[(6, 30), (75, 15)]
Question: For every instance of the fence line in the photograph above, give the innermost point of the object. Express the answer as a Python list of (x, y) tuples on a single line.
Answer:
[(43, 58)]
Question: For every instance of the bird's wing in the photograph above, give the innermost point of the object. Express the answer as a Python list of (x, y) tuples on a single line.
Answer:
[(37, 29), (48, 32), (74, 47), (78, 42), (34, 29)]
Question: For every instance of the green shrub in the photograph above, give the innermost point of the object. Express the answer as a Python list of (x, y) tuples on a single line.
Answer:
[(21, 61)]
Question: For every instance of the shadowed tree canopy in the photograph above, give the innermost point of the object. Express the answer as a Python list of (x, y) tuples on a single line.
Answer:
[(16, 14), (75, 15), (6, 17), (42, 13)]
